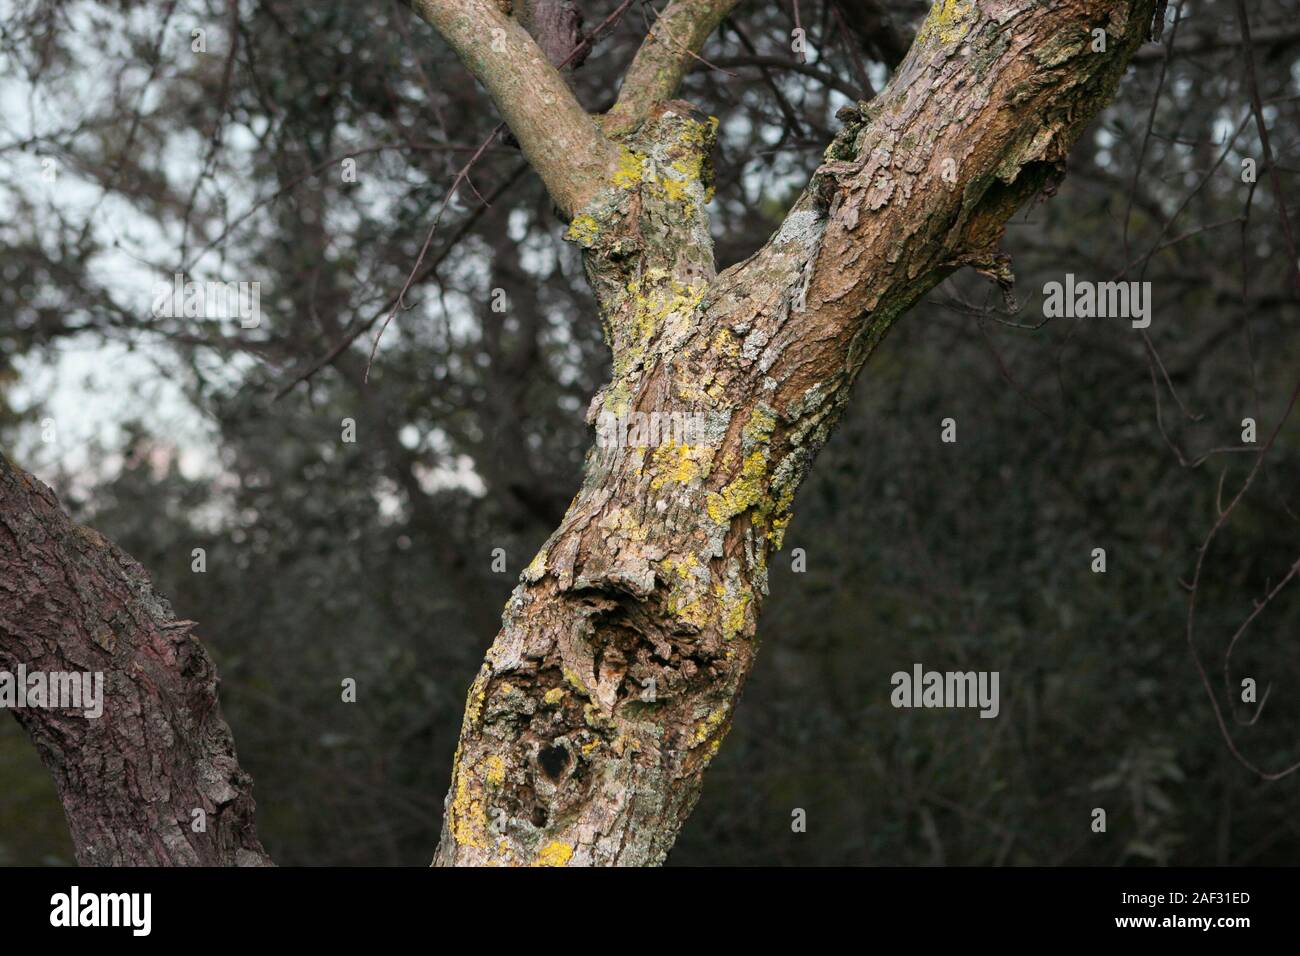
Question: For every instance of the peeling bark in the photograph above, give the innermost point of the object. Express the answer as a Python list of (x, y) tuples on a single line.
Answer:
[(655, 577), (130, 779)]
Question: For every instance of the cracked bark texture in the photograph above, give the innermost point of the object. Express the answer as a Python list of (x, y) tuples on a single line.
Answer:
[(625, 646), (130, 779)]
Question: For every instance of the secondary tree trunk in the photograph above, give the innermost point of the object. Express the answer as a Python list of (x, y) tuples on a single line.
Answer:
[(131, 779), (624, 648)]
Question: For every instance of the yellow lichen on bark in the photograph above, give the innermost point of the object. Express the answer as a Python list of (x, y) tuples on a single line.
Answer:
[(680, 463), (627, 173), (554, 853), (466, 814), (948, 21)]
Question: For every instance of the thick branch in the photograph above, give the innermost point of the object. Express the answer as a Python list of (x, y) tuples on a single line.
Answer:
[(131, 778), (979, 118), (558, 137), (664, 59)]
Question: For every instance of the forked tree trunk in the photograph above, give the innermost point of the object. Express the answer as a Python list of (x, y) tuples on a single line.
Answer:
[(625, 646)]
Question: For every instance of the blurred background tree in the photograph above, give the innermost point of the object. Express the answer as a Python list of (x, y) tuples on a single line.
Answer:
[(309, 147)]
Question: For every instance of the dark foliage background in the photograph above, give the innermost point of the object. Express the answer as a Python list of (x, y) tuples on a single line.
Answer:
[(373, 560)]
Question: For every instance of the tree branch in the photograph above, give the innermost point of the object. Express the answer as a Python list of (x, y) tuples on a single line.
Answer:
[(558, 137), (664, 59), (922, 181), (625, 646), (824, 77)]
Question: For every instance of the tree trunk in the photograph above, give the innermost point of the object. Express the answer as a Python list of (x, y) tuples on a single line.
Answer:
[(625, 646), (130, 779)]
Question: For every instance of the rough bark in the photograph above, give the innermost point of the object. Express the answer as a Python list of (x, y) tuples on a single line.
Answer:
[(624, 648), (654, 579), (130, 779)]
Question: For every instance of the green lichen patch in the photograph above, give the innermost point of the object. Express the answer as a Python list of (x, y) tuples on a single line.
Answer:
[(680, 463), (748, 488), (948, 22), (710, 725)]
